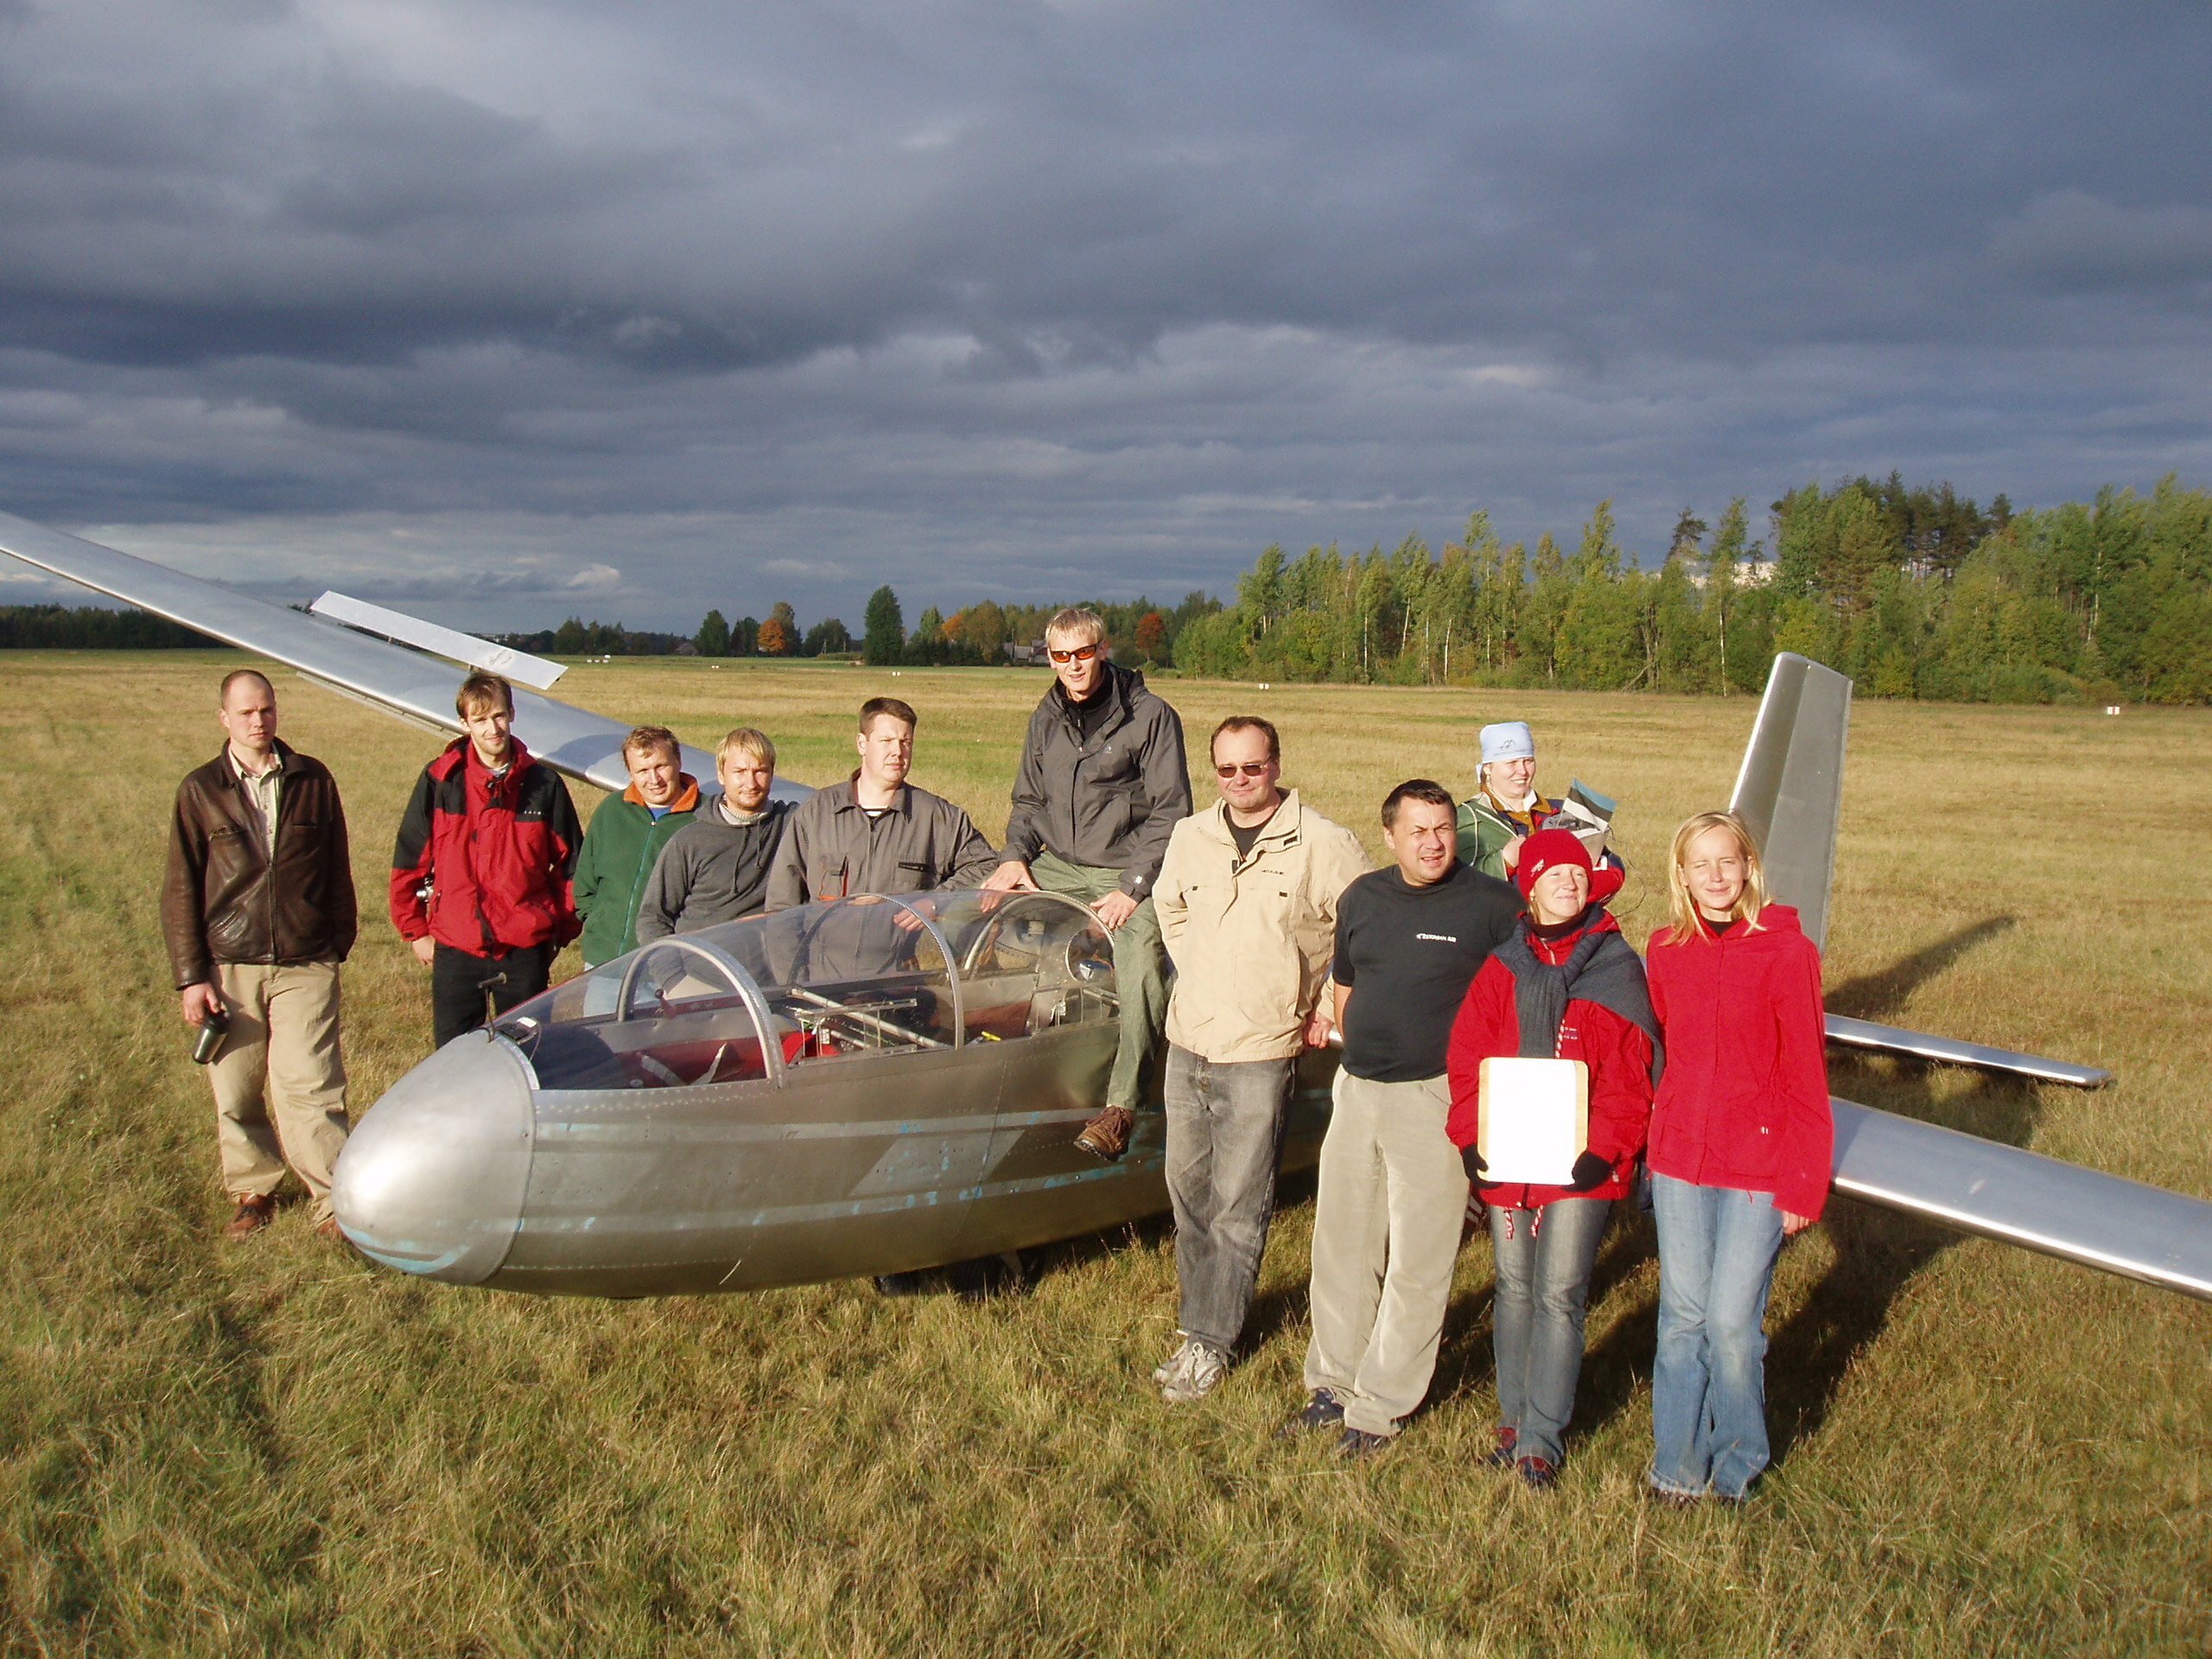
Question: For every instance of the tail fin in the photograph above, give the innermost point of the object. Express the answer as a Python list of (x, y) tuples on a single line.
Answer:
[(1790, 787)]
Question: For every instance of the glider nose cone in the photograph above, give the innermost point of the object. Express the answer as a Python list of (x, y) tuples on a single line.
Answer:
[(433, 1178)]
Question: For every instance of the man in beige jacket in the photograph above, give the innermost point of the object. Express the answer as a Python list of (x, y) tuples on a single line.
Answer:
[(1247, 897)]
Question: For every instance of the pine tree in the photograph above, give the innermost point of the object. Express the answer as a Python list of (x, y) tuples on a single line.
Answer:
[(883, 639), (712, 638)]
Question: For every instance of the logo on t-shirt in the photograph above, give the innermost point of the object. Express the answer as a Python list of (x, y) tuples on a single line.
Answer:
[(1442, 938)]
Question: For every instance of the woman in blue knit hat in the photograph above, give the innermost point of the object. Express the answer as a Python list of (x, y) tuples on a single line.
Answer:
[(1505, 809)]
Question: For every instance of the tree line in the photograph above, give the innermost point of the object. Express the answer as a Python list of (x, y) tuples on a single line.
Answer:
[(1913, 592), (87, 627)]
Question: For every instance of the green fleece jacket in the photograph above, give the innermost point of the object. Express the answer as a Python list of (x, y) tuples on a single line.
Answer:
[(620, 848)]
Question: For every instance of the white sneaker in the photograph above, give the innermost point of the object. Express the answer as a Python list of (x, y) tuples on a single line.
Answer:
[(1202, 1369), (1173, 1363)]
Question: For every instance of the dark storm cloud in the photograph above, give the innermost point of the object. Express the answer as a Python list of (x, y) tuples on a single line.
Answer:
[(1034, 298)]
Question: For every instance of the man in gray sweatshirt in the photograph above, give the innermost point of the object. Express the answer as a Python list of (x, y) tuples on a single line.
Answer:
[(715, 869)]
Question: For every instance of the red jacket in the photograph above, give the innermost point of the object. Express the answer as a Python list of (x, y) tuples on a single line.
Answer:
[(1745, 1103), (1617, 1054), (498, 854)]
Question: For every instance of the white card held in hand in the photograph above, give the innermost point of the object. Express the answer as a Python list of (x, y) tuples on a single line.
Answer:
[(1536, 1119)]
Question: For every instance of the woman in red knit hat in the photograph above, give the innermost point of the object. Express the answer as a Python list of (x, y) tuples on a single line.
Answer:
[(1567, 986), (1741, 1140)]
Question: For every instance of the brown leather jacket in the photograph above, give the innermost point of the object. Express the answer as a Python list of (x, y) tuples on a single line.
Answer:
[(224, 901)]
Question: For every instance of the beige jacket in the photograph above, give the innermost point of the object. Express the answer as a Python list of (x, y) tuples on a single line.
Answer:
[(1252, 940)]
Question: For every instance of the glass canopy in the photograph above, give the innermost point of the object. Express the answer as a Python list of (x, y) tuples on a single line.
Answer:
[(776, 995)]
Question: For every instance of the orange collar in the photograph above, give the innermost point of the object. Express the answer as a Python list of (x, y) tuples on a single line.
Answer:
[(687, 798)]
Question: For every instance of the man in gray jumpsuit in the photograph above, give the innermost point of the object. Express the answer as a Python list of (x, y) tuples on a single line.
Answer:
[(875, 832), (1102, 785)]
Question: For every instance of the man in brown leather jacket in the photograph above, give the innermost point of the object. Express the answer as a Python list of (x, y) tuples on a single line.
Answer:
[(257, 910)]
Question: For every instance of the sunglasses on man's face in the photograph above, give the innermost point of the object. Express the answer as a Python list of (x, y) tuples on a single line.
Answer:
[(1080, 654), (1249, 768)]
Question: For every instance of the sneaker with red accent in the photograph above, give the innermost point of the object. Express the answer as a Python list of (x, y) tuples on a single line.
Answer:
[(1537, 1474), (1501, 1455)]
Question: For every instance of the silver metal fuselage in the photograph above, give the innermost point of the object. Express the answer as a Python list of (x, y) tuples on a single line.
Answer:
[(468, 1172)]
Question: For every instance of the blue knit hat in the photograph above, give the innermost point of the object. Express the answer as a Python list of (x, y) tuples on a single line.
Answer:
[(1509, 739)]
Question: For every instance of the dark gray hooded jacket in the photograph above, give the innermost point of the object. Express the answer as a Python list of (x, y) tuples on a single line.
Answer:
[(1111, 801)]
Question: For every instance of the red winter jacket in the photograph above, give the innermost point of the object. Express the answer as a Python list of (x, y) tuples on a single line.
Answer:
[(498, 853), (1617, 1054), (1745, 1103)]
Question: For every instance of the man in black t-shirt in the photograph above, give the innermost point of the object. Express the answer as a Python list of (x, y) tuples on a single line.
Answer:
[(1393, 1193)]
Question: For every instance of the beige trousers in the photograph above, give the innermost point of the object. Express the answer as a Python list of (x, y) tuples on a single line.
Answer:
[(281, 1059), (1387, 1218)]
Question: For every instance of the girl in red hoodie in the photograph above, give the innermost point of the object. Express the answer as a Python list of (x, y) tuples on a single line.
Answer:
[(1567, 986), (1741, 1142)]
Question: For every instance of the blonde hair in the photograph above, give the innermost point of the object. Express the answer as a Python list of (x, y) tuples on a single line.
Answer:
[(1077, 623), (1681, 908), (750, 740)]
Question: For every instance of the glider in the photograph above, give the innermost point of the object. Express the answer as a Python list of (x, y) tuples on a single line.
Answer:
[(870, 1086)]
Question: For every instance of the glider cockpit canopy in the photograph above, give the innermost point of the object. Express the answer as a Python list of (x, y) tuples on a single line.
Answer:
[(768, 998)]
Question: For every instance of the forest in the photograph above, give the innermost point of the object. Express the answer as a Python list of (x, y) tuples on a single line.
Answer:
[(1913, 592)]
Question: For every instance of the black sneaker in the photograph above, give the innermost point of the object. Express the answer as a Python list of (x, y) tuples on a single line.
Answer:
[(1324, 1410), (1501, 1455), (1356, 1443)]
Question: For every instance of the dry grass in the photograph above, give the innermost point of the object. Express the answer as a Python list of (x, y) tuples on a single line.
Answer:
[(275, 1448)]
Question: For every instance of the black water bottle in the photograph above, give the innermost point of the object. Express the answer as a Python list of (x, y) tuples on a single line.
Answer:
[(215, 1026)]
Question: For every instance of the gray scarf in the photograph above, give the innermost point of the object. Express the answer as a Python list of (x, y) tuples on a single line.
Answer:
[(1602, 968)]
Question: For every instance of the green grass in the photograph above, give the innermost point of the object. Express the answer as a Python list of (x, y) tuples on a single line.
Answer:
[(276, 1448)]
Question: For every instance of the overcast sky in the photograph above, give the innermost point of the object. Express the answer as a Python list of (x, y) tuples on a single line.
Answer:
[(500, 311)]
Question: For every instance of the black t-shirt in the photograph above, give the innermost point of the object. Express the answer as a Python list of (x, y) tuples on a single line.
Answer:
[(1409, 955), (1247, 837)]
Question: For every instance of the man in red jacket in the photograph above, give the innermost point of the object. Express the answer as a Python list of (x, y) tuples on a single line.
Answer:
[(481, 876)]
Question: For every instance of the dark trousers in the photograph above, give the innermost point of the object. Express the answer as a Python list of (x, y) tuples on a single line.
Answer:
[(460, 983)]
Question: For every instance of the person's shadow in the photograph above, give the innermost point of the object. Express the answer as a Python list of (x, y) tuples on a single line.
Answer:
[(1877, 1252)]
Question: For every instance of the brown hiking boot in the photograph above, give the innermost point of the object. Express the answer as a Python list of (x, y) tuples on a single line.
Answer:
[(1107, 1135), (251, 1216)]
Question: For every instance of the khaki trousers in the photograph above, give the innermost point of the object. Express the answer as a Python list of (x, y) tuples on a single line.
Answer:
[(1392, 1199), (281, 1058), (1139, 970)]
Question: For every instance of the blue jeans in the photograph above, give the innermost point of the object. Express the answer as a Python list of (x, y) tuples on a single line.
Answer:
[(1224, 1130), (1543, 1281), (1708, 1380)]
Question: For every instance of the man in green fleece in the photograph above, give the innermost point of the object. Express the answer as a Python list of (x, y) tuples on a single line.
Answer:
[(626, 837)]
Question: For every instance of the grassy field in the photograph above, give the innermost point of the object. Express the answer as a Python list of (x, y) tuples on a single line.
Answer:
[(276, 1448)]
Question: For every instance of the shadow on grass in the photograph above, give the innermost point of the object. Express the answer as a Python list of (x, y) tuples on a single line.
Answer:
[(1877, 1254), (1878, 994)]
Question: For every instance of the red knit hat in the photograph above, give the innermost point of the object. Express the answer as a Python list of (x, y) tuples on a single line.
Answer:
[(1549, 848)]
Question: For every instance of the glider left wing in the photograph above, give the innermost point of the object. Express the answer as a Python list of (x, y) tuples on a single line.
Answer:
[(409, 683)]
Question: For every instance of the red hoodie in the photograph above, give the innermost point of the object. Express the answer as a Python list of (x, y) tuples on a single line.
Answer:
[(1617, 1054), (498, 853), (1745, 1103)]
